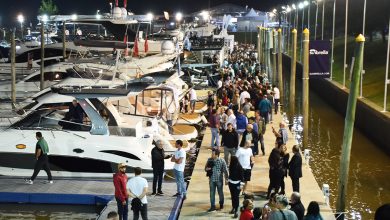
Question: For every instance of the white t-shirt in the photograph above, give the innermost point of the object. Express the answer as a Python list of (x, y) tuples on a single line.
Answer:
[(219, 84), (136, 185), (244, 95), (178, 154), (244, 157), (231, 119), (193, 94), (277, 93)]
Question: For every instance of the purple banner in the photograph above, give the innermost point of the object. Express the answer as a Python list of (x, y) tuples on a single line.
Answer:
[(319, 62)]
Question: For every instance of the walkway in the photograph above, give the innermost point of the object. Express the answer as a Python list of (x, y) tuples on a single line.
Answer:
[(197, 203)]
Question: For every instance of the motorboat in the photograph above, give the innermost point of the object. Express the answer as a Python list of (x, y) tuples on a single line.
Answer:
[(30, 60), (92, 148), (31, 84)]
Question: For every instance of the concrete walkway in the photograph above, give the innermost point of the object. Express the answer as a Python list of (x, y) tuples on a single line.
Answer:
[(197, 203)]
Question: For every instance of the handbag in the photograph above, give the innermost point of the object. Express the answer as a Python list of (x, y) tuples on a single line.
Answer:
[(136, 204)]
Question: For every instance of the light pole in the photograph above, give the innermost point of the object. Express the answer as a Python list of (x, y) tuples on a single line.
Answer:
[(345, 41), (364, 34), (21, 20), (295, 16), (308, 14), (315, 27), (387, 81), (300, 6), (323, 19), (333, 29)]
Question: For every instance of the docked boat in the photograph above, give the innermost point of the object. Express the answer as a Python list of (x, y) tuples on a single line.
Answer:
[(92, 148)]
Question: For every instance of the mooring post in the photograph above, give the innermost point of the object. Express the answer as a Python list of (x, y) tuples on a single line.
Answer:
[(349, 126)]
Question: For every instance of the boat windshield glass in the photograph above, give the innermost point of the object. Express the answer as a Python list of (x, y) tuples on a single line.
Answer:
[(48, 118)]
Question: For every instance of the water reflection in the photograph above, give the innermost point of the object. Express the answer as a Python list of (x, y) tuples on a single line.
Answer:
[(368, 185)]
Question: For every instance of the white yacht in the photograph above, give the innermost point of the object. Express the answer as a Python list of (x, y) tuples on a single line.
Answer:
[(91, 149)]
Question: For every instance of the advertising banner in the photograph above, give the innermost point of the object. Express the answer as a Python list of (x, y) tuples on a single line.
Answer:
[(319, 61)]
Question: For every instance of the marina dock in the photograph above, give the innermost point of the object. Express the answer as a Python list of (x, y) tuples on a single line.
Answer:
[(84, 192), (198, 198)]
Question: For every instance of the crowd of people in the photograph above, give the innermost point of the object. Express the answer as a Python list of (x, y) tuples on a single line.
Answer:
[(238, 114)]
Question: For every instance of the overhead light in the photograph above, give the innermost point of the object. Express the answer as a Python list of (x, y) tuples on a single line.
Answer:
[(179, 16), (45, 18), (300, 5), (293, 6), (149, 16), (74, 17)]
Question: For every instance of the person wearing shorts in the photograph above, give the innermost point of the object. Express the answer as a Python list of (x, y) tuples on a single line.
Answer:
[(246, 159)]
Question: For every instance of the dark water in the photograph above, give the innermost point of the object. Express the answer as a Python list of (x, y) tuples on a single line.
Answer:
[(46, 212), (369, 185)]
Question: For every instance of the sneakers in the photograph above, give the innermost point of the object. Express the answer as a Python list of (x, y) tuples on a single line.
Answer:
[(176, 195), (153, 194), (220, 207), (160, 193), (235, 215), (28, 181), (212, 209), (48, 182)]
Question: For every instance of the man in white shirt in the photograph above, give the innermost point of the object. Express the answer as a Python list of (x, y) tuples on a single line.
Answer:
[(276, 99), (231, 119), (179, 158), (137, 187), (244, 95), (245, 157), (193, 99)]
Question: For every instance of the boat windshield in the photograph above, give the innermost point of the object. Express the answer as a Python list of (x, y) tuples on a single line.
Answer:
[(49, 119)]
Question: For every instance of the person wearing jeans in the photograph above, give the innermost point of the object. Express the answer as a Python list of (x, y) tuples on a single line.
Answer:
[(218, 170), (179, 158), (214, 122), (230, 142), (121, 196)]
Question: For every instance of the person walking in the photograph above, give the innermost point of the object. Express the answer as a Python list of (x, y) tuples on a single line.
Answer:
[(295, 168), (235, 179), (246, 159), (230, 142), (250, 136), (242, 122), (265, 108), (179, 158), (218, 171), (121, 196), (261, 127), (137, 188), (193, 99), (285, 157), (276, 98), (214, 122), (42, 159), (275, 169), (158, 156)]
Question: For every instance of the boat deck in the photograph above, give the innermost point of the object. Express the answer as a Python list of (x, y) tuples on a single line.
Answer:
[(198, 202)]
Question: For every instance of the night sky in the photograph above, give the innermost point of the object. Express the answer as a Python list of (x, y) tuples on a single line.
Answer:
[(10, 8)]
